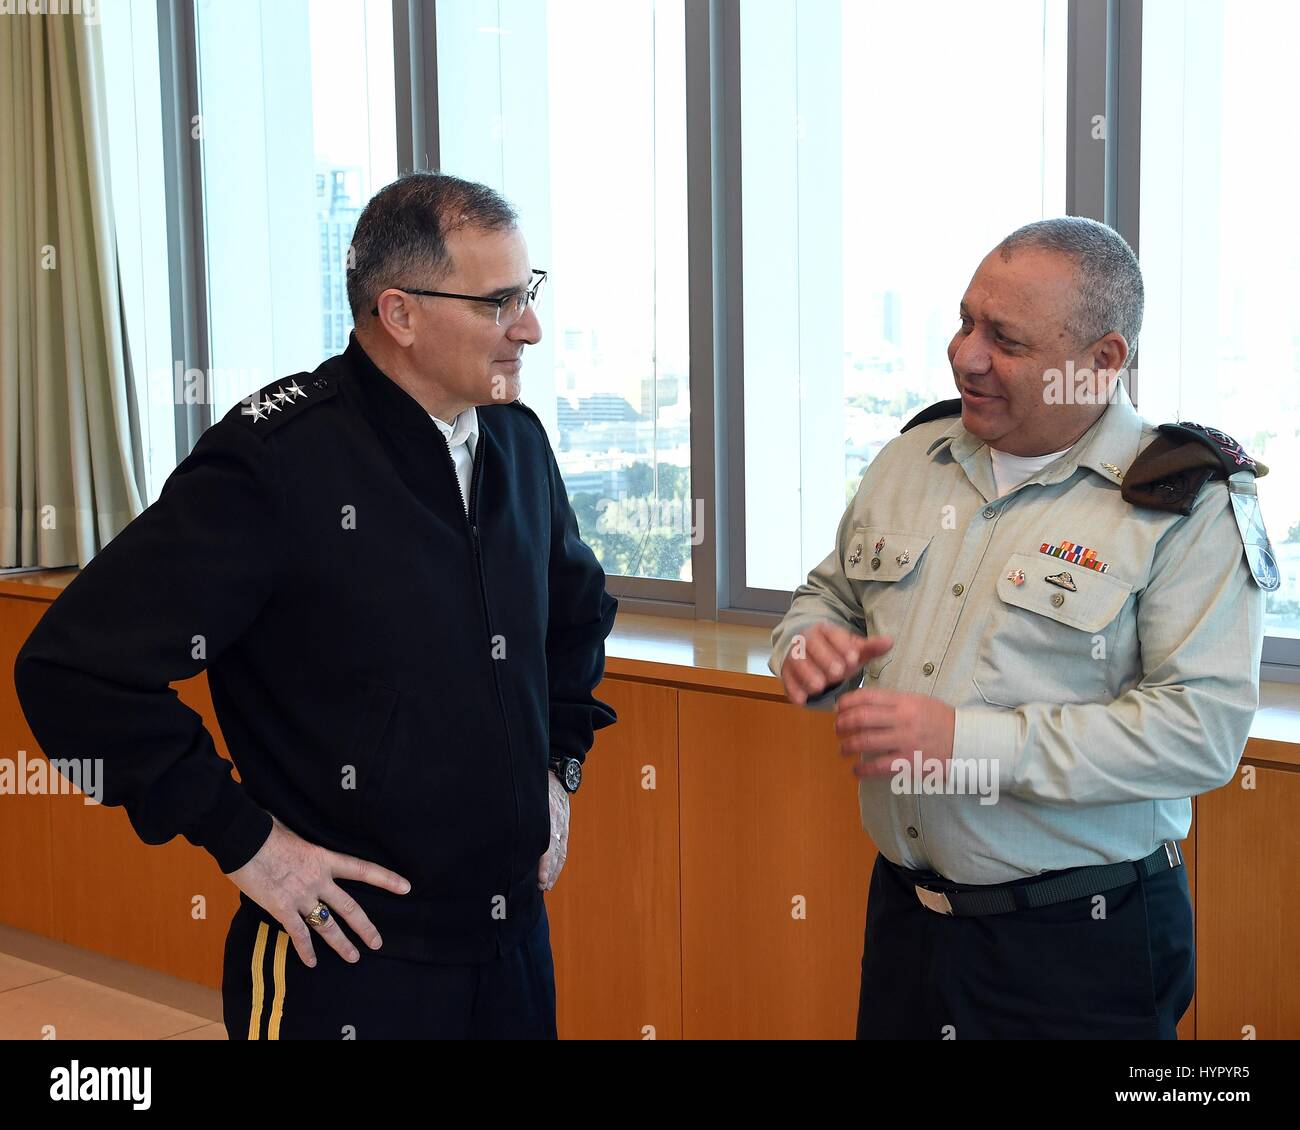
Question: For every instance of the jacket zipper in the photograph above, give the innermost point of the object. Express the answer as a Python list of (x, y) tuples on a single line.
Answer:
[(470, 513)]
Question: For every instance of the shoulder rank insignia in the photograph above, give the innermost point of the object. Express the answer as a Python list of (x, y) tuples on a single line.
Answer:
[(934, 412), (263, 410), (1170, 471)]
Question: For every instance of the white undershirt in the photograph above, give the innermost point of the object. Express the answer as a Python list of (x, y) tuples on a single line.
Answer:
[(1009, 471), (461, 436)]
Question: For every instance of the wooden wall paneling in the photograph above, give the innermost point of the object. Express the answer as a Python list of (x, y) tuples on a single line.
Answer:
[(26, 863), (1248, 928), (675, 908), (769, 815), (615, 911)]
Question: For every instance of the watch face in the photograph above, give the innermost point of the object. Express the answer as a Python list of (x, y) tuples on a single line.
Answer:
[(572, 775)]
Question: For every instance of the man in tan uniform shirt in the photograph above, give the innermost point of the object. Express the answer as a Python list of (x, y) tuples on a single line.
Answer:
[(1058, 645)]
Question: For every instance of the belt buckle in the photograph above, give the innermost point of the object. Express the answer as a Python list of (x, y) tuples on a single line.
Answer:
[(933, 900), (1172, 853)]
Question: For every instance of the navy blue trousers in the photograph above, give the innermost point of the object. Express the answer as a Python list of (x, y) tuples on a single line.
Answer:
[(1055, 972), (267, 992)]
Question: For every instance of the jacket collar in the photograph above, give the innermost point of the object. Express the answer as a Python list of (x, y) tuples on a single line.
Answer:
[(387, 402), (411, 435)]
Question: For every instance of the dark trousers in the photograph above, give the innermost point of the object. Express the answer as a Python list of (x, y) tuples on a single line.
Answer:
[(269, 994), (1055, 972)]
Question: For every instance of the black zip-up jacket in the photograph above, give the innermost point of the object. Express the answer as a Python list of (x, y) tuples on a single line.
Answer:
[(390, 675)]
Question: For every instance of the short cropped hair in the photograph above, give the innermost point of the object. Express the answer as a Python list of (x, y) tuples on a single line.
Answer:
[(1110, 280), (401, 236)]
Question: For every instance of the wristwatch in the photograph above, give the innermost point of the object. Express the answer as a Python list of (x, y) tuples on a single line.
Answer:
[(569, 772)]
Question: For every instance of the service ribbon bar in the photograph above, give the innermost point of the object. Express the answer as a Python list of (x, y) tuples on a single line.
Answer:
[(1076, 555)]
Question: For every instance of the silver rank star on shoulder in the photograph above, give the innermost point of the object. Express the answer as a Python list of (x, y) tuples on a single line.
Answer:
[(274, 402)]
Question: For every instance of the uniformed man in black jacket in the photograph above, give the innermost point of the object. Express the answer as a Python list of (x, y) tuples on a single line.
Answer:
[(378, 566)]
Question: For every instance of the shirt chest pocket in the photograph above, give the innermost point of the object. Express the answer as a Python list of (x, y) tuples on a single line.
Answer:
[(1050, 634), (883, 567)]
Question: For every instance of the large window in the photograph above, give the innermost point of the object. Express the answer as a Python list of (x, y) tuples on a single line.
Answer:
[(886, 148), (575, 111), (1220, 245), (758, 217), (297, 123)]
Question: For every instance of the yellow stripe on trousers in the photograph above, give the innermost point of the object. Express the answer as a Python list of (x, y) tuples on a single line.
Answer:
[(259, 987), (259, 951), (277, 1005)]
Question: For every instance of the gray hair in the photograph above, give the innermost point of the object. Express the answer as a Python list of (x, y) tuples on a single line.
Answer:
[(401, 236), (1110, 280)]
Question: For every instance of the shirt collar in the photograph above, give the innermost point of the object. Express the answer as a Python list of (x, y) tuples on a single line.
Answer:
[(463, 429), (1108, 447)]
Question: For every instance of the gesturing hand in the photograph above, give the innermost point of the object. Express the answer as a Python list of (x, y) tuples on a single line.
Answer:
[(877, 727), (824, 655)]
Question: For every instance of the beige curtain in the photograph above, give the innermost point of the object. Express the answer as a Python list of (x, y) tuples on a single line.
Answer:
[(71, 466)]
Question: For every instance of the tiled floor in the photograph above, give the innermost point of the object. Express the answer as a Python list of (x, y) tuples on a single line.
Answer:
[(51, 989)]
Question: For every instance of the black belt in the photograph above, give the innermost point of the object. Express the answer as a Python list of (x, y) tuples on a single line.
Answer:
[(1045, 892)]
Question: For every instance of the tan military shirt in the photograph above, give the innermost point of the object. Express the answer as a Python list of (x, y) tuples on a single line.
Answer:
[(1099, 702)]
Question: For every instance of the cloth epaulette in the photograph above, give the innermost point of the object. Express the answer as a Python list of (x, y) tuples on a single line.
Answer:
[(934, 412), (1170, 471), (269, 407)]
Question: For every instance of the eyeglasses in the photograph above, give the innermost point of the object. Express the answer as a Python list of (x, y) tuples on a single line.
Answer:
[(510, 307)]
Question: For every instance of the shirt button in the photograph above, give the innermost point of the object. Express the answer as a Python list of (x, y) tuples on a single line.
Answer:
[(989, 512), (957, 590), (875, 562), (1058, 598), (912, 832), (928, 669)]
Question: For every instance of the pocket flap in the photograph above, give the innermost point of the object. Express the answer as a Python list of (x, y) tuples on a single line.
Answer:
[(882, 555), (1093, 602)]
